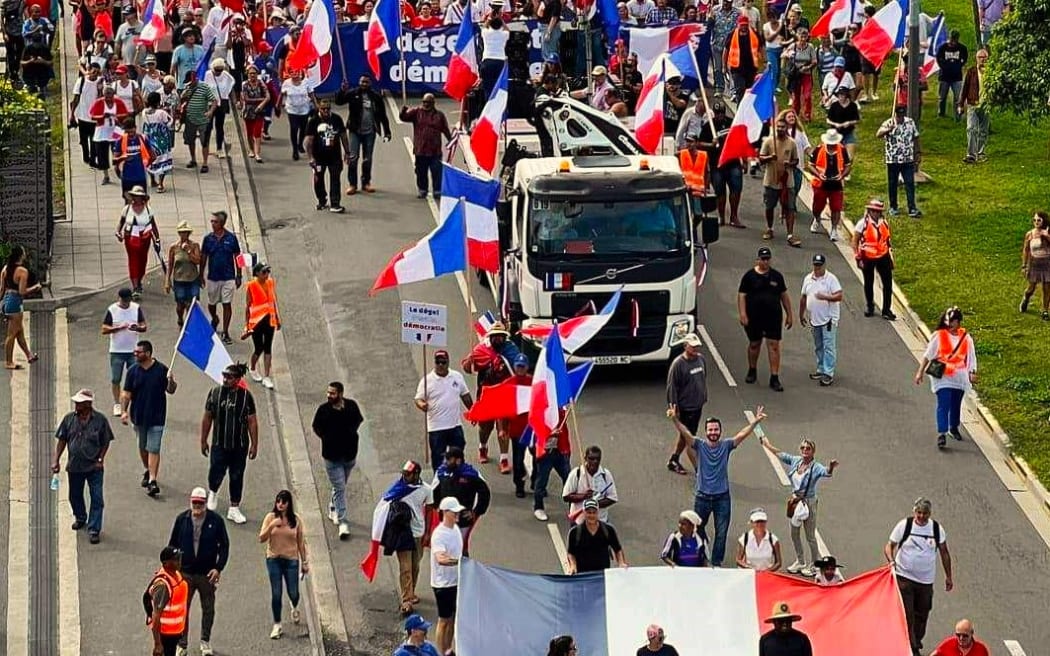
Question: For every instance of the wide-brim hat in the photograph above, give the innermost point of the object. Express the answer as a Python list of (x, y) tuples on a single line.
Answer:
[(497, 329), (782, 611), (875, 204), (184, 226), (138, 190), (831, 137)]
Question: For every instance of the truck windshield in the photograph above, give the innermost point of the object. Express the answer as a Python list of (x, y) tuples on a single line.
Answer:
[(645, 227)]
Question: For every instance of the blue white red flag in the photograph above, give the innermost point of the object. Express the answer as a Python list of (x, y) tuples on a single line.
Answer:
[(205, 63), (484, 140), (316, 39), (550, 388), (483, 325), (578, 376), (201, 345), (384, 32), (463, 65), (399, 490), (479, 198), (938, 37), (440, 252), (840, 15), (576, 332), (883, 32), (154, 23), (649, 117), (756, 107)]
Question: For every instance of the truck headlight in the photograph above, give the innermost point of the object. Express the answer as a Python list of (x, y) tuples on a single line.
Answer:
[(679, 329)]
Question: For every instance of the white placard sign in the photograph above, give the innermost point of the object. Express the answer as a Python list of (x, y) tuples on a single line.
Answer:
[(424, 323)]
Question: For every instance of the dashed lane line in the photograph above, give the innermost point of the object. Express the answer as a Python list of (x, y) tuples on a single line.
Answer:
[(710, 344), (559, 547), (1014, 648)]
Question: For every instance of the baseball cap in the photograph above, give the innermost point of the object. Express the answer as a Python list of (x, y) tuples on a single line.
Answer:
[(764, 253), (759, 515), (151, 59), (260, 267), (590, 504), (441, 354), (840, 62), (599, 70), (199, 494), (454, 452), (416, 623), (521, 360), (692, 339), (84, 396), (742, 20), (125, 292), (819, 259), (169, 553), (451, 504), (128, 10)]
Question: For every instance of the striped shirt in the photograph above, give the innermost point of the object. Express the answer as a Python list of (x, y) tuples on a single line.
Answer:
[(230, 408), (198, 99)]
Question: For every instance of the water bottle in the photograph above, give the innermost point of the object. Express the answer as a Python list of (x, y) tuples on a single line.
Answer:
[(54, 482)]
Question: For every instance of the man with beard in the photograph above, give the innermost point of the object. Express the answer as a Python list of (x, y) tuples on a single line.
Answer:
[(335, 423)]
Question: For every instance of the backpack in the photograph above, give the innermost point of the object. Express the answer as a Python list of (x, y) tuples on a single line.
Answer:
[(147, 596), (908, 523), (397, 533)]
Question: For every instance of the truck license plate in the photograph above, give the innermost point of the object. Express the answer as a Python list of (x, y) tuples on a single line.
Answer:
[(612, 359)]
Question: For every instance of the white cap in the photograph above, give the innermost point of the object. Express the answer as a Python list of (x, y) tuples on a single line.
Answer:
[(759, 515), (84, 396), (451, 504), (199, 494), (692, 339)]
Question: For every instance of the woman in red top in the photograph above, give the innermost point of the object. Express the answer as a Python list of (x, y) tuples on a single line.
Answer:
[(426, 19)]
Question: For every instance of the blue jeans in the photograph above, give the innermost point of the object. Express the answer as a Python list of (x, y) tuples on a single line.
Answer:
[(549, 45), (905, 171), (428, 164), (949, 407), (718, 67), (773, 57), (555, 460), (287, 570), (76, 498), (722, 506), (441, 440), (361, 148), (824, 347), (338, 475)]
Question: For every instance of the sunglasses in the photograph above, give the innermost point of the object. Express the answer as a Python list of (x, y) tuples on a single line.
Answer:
[(196, 503), (963, 635), (440, 361)]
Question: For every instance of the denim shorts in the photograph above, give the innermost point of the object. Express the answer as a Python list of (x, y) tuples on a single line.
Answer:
[(731, 178), (185, 292), (118, 364), (12, 303), (149, 438)]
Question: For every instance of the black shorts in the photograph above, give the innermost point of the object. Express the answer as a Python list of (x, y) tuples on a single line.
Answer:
[(764, 326), (867, 68), (446, 602), (691, 419), (262, 337)]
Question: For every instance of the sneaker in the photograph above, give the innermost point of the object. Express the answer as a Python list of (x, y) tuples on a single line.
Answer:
[(78, 524), (894, 211), (869, 311), (213, 500), (94, 538), (184, 651), (751, 377), (888, 315), (255, 375), (1024, 304), (1045, 316), (540, 514), (815, 226), (333, 516), (145, 478), (153, 489), (816, 375), (192, 164), (915, 212), (344, 534), (235, 515), (834, 236), (767, 234), (483, 454), (276, 632), (875, 97), (267, 382), (969, 159), (941, 441), (206, 649), (519, 492), (795, 567), (421, 195), (226, 339), (320, 206), (295, 615), (351, 190), (826, 381), (504, 466), (955, 434), (675, 465), (336, 209), (774, 384), (982, 158), (794, 241), (117, 410), (808, 571)]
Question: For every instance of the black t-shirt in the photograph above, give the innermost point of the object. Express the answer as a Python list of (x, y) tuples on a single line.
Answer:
[(149, 394), (721, 123), (952, 59), (664, 650), (230, 408), (792, 643), (327, 137), (672, 114), (832, 169), (839, 114), (551, 9), (592, 552), (762, 292)]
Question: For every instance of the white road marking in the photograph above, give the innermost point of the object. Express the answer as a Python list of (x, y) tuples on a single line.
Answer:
[(1014, 648), (393, 110), (68, 567), (559, 546), (710, 344), (18, 519)]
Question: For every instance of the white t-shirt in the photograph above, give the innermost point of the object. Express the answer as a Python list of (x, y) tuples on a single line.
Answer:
[(417, 500), (601, 484), (89, 91), (639, 10), (221, 85), (450, 542), (125, 92), (832, 83), (123, 341), (917, 556), (821, 312), (495, 43), (443, 394), (960, 378), (759, 555), (296, 97), (151, 84), (836, 579)]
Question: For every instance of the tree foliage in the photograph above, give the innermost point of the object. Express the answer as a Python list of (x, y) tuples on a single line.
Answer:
[(17, 110), (1018, 69)]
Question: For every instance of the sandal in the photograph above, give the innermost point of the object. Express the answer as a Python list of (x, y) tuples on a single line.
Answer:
[(14, 367), (33, 358), (161, 189)]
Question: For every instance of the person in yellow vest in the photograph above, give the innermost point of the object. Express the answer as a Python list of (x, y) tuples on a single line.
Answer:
[(261, 320), (168, 592), (951, 345), (874, 254), (693, 163), (829, 163), (743, 56)]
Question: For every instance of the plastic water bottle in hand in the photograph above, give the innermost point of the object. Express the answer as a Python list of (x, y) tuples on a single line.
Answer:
[(55, 480)]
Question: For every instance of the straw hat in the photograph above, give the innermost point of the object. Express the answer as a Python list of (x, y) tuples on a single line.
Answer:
[(184, 226), (781, 611)]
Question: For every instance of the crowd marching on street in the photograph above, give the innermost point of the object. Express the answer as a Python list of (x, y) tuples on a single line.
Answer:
[(150, 70)]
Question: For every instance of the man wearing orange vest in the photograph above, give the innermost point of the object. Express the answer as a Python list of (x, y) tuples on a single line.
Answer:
[(830, 164), (743, 57), (261, 320), (873, 252), (693, 163), (167, 592)]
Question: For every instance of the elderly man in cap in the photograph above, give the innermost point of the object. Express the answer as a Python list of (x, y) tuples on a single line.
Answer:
[(783, 639), (821, 297), (200, 535), (230, 417), (439, 394), (686, 396), (491, 360), (184, 270), (416, 643), (837, 78), (655, 645), (446, 550), (429, 124), (85, 434), (830, 163)]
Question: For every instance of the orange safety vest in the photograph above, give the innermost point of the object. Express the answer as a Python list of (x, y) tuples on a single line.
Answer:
[(821, 164), (734, 48), (694, 170), (262, 302), (875, 239), (143, 148), (172, 616), (952, 363)]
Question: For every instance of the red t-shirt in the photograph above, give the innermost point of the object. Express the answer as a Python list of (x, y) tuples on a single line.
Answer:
[(420, 23), (516, 426), (950, 647)]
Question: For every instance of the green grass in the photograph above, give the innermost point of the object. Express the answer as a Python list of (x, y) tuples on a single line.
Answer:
[(58, 114), (966, 250)]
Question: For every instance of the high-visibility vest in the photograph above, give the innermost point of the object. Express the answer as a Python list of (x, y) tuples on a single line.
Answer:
[(173, 615), (694, 170), (143, 148), (875, 239), (262, 302), (821, 164), (734, 48), (952, 362)]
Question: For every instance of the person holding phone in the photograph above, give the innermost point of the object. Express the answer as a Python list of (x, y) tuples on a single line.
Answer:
[(123, 323), (286, 555)]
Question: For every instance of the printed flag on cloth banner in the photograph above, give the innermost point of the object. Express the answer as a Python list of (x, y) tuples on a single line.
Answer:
[(650, 43), (463, 71), (399, 490), (384, 32), (550, 388), (608, 610), (840, 15), (484, 140), (938, 37), (201, 345), (579, 330), (154, 23), (649, 117), (440, 252), (883, 32), (756, 107), (578, 376), (479, 197), (316, 39)]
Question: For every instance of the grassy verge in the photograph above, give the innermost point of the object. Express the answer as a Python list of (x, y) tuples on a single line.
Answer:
[(966, 250), (58, 114)]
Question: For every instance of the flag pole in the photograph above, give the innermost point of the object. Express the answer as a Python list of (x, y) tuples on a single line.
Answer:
[(182, 331), (703, 94), (339, 45), (426, 427), (466, 278), (401, 53), (576, 430), (663, 88)]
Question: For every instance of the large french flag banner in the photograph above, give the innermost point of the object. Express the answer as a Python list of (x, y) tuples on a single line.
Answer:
[(649, 115), (384, 32), (506, 612), (577, 331), (756, 107), (883, 32), (463, 64), (479, 198), (502, 401), (840, 15), (316, 39), (650, 43), (938, 37), (201, 345), (154, 23), (442, 251), (550, 389), (399, 490), (484, 140)]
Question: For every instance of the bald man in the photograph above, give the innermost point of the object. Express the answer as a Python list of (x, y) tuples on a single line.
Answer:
[(963, 643)]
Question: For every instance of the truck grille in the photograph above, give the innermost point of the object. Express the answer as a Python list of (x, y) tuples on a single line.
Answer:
[(616, 337)]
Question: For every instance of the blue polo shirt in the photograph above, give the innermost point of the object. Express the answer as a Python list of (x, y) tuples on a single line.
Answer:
[(220, 252)]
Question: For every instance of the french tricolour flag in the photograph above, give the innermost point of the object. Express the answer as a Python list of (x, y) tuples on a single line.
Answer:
[(316, 39), (463, 65), (649, 117), (840, 15), (479, 200), (502, 401), (154, 23), (578, 376), (201, 345), (399, 490), (440, 252), (883, 32), (681, 62), (384, 31), (246, 260), (576, 332), (938, 37), (484, 324), (484, 140), (652, 42), (550, 388), (756, 107)]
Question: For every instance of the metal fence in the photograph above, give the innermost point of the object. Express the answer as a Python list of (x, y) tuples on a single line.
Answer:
[(26, 207)]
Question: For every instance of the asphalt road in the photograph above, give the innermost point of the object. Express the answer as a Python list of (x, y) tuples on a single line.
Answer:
[(874, 419)]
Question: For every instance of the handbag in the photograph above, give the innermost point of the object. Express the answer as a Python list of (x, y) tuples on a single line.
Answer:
[(796, 498), (935, 368)]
